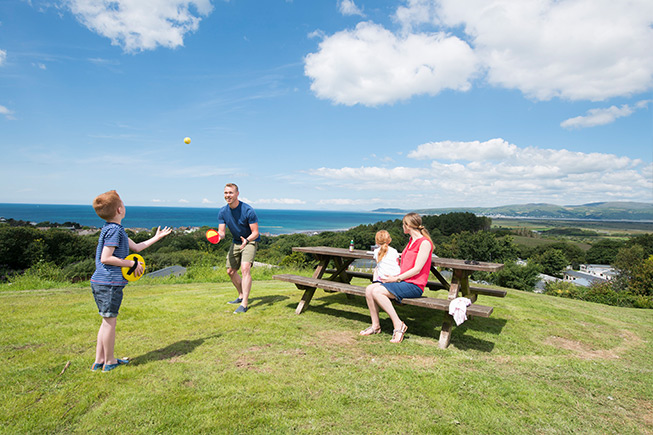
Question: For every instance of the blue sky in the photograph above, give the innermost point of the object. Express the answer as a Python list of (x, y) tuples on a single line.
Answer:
[(343, 105)]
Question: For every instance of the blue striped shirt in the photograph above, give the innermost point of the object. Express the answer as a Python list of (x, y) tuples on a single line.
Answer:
[(114, 235)]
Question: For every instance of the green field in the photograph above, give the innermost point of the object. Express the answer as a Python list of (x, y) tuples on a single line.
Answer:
[(604, 228), (538, 365)]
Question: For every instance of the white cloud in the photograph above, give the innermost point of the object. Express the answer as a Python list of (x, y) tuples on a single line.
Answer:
[(348, 7), (350, 202), (206, 201), (494, 149), (183, 201), (570, 49), (370, 65), (495, 171), (3, 57), (595, 117), (141, 25), (573, 49), (6, 112), (279, 201)]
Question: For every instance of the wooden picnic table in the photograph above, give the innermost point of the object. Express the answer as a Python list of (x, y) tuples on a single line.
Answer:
[(339, 279)]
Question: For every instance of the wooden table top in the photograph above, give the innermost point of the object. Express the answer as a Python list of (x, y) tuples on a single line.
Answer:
[(451, 263)]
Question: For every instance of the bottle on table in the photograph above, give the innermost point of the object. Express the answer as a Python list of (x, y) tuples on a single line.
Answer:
[(351, 246)]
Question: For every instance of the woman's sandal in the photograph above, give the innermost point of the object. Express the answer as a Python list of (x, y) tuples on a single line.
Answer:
[(398, 334), (370, 330)]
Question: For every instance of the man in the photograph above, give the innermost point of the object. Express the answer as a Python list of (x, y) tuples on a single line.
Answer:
[(243, 224)]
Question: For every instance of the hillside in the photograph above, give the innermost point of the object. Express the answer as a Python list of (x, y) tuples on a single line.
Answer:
[(621, 211), (539, 364)]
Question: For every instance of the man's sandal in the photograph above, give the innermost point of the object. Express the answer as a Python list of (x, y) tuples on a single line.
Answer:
[(370, 330), (398, 334)]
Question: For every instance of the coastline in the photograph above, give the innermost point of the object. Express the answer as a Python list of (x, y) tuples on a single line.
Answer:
[(271, 222)]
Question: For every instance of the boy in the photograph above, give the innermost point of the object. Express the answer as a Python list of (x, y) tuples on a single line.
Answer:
[(107, 282)]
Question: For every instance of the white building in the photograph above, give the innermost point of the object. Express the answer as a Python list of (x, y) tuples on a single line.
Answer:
[(589, 273)]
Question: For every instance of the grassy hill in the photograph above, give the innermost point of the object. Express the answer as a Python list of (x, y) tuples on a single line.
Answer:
[(628, 211), (538, 365)]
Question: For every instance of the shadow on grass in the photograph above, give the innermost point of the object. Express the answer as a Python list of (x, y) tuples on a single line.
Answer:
[(182, 347), (265, 300), (423, 322)]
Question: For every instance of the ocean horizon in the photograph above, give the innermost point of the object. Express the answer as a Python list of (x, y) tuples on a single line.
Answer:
[(271, 221)]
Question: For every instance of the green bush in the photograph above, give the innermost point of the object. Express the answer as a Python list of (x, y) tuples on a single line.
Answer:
[(42, 275), (515, 276), (601, 293), (80, 271)]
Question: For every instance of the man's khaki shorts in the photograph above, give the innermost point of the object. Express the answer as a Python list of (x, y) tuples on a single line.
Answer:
[(236, 256)]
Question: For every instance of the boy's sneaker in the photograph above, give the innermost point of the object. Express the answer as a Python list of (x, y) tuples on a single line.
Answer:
[(119, 362), (96, 366), (235, 301), (240, 309)]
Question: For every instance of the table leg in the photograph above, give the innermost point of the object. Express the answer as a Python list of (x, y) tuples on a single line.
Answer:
[(459, 283), (310, 291), (306, 299), (439, 276), (445, 332)]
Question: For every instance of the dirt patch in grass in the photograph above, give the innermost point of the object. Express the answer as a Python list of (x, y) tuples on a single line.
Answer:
[(337, 338), (586, 351), (645, 408), (246, 362)]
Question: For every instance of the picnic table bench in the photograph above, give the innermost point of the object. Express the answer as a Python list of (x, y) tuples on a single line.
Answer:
[(339, 280)]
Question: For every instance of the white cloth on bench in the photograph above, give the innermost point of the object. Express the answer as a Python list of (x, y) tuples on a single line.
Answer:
[(458, 309)]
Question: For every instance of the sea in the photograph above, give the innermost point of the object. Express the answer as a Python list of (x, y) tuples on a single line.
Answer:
[(271, 222)]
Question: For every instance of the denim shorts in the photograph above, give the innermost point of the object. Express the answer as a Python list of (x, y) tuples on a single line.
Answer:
[(107, 298), (403, 289)]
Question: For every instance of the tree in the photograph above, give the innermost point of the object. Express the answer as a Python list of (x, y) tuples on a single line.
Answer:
[(574, 255), (551, 261), (603, 252), (483, 246), (516, 276), (642, 282)]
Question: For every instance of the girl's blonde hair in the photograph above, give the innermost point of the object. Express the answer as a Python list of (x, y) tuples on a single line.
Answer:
[(383, 239), (414, 220)]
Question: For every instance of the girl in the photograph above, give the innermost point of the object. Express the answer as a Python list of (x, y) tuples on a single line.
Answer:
[(386, 257)]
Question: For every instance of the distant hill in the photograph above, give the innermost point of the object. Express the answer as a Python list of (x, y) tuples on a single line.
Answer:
[(621, 211), (388, 210)]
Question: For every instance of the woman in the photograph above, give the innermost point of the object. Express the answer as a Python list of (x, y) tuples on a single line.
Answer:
[(410, 283)]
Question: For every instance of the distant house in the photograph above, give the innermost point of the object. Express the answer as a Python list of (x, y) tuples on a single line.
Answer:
[(599, 270), (589, 274), (540, 286)]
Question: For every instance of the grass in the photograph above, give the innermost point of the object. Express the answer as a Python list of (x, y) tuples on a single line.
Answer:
[(538, 365)]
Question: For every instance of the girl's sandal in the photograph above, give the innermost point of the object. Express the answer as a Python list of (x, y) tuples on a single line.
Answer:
[(398, 334), (370, 330)]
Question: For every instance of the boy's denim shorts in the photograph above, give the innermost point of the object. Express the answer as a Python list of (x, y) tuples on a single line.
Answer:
[(107, 298)]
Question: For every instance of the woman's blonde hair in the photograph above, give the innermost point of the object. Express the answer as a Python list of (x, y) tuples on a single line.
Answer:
[(383, 239), (414, 220)]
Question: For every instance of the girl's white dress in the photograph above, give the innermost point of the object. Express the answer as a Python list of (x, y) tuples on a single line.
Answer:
[(388, 266)]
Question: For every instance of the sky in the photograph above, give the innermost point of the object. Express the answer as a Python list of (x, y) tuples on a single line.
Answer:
[(327, 104)]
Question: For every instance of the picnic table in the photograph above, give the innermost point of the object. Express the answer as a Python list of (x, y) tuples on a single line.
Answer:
[(338, 279)]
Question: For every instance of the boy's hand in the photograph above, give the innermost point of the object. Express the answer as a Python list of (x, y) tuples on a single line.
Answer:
[(140, 269), (161, 233)]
